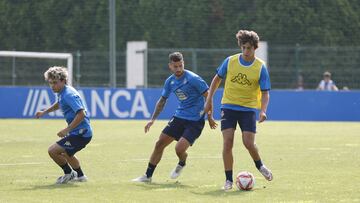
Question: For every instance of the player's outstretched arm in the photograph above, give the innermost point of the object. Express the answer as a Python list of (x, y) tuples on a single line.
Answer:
[(158, 108), (265, 96), (209, 113), (52, 108), (213, 87)]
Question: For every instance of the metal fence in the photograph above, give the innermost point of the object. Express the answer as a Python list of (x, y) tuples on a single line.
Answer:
[(286, 65)]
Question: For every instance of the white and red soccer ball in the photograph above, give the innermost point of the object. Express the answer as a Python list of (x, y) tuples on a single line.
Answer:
[(245, 180)]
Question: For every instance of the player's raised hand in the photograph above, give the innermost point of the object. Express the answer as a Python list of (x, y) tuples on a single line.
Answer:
[(39, 114), (262, 117), (148, 125)]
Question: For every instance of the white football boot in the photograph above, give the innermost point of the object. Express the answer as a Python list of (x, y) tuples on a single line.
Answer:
[(143, 179), (83, 178), (176, 172), (228, 185), (66, 178), (266, 173)]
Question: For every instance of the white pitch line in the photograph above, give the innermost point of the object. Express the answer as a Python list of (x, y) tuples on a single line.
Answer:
[(23, 164)]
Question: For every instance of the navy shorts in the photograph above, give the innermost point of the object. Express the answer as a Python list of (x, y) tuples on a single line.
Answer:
[(75, 141), (246, 120), (190, 130)]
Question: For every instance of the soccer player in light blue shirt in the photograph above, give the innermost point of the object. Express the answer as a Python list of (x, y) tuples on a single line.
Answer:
[(188, 121), (246, 90), (264, 81), (77, 134)]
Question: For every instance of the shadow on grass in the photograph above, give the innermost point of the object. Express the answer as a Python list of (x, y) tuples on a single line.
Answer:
[(222, 193), (51, 187), (165, 186)]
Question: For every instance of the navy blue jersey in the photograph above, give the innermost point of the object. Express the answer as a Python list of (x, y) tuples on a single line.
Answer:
[(188, 90)]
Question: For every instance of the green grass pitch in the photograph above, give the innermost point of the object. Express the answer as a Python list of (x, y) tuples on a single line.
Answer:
[(311, 162)]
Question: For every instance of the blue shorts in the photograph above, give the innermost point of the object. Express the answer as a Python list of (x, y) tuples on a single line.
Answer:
[(246, 120), (75, 141), (190, 130)]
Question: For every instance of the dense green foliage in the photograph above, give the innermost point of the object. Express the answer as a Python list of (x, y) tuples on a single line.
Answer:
[(50, 25)]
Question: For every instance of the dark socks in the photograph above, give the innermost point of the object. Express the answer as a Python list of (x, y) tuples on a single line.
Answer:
[(229, 175), (66, 168), (150, 170), (258, 164), (79, 172), (182, 163)]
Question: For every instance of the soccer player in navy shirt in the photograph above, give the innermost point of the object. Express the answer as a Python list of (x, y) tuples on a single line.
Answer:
[(188, 121), (77, 134)]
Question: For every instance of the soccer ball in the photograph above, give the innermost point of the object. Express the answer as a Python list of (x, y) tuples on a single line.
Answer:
[(245, 180)]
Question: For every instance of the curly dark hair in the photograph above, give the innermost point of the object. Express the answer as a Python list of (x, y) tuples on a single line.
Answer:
[(245, 36)]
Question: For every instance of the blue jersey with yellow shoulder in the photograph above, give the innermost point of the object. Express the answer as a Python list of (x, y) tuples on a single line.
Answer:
[(188, 90), (70, 103), (244, 82)]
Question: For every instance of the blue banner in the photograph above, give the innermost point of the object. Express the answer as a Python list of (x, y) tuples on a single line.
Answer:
[(114, 103)]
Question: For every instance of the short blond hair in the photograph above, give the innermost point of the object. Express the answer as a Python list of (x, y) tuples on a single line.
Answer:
[(56, 73)]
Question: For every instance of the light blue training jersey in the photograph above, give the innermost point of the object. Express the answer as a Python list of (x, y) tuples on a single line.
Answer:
[(188, 90), (70, 103)]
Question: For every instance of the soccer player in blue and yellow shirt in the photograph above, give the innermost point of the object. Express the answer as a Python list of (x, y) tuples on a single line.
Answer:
[(78, 132), (188, 121), (246, 89)]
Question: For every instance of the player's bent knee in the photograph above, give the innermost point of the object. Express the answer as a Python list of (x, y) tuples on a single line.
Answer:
[(51, 150), (54, 149), (249, 145), (160, 145)]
